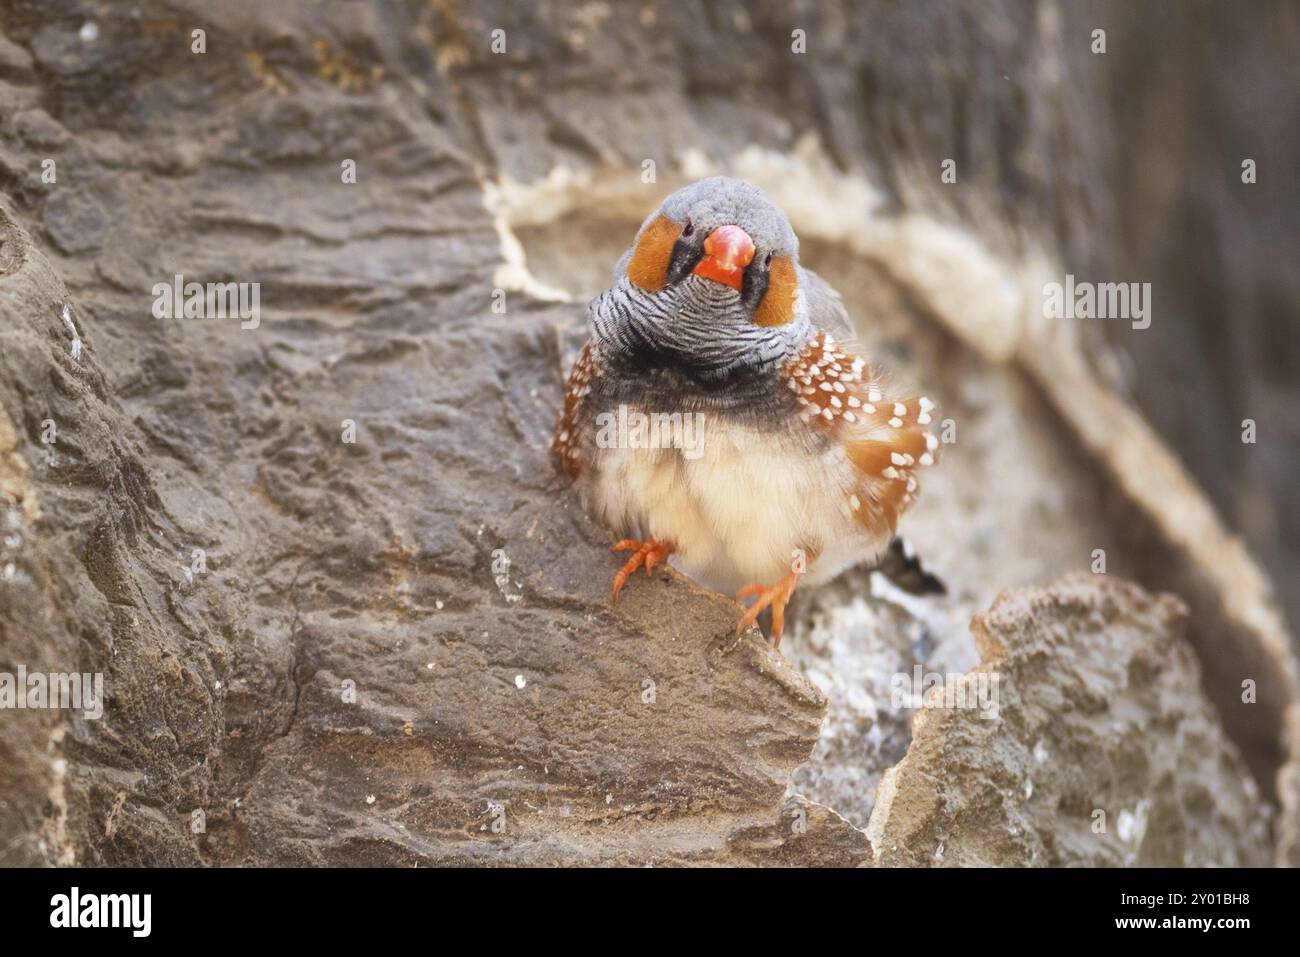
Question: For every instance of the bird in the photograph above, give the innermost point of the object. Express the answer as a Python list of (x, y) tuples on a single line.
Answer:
[(714, 421)]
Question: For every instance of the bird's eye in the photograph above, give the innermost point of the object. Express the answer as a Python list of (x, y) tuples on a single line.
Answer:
[(767, 261), (688, 229)]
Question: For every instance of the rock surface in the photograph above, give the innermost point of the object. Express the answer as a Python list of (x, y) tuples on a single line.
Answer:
[(398, 650), (1094, 754)]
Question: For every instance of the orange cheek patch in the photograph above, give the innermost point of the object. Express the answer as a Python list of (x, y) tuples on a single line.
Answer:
[(777, 307), (648, 267)]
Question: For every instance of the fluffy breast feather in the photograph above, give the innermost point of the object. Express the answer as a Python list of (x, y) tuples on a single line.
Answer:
[(829, 484)]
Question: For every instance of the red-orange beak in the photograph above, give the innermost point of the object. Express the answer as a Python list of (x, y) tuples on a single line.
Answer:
[(727, 251)]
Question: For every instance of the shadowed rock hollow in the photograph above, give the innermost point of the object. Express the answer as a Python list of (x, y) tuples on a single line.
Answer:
[(399, 650)]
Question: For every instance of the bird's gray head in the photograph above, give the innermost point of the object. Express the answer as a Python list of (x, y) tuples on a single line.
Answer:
[(711, 286)]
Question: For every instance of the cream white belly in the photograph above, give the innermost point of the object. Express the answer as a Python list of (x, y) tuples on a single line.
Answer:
[(740, 511)]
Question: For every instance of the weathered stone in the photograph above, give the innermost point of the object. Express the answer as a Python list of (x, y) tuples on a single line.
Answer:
[(438, 568), (1102, 752)]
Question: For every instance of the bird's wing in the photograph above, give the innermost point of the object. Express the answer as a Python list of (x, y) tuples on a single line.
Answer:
[(886, 438), (825, 307), (568, 446)]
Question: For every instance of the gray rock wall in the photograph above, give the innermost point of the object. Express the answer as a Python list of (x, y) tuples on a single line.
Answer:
[(398, 650)]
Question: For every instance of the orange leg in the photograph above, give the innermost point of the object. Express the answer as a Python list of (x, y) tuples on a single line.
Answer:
[(649, 553), (778, 596)]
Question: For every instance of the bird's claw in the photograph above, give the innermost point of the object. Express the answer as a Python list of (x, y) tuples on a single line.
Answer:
[(778, 596), (649, 553)]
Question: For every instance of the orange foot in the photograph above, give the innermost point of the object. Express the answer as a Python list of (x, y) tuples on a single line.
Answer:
[(648, 553), (778, 596)]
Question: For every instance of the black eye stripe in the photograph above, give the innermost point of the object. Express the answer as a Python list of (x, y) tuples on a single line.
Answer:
[(683, 259), (754, 286)]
